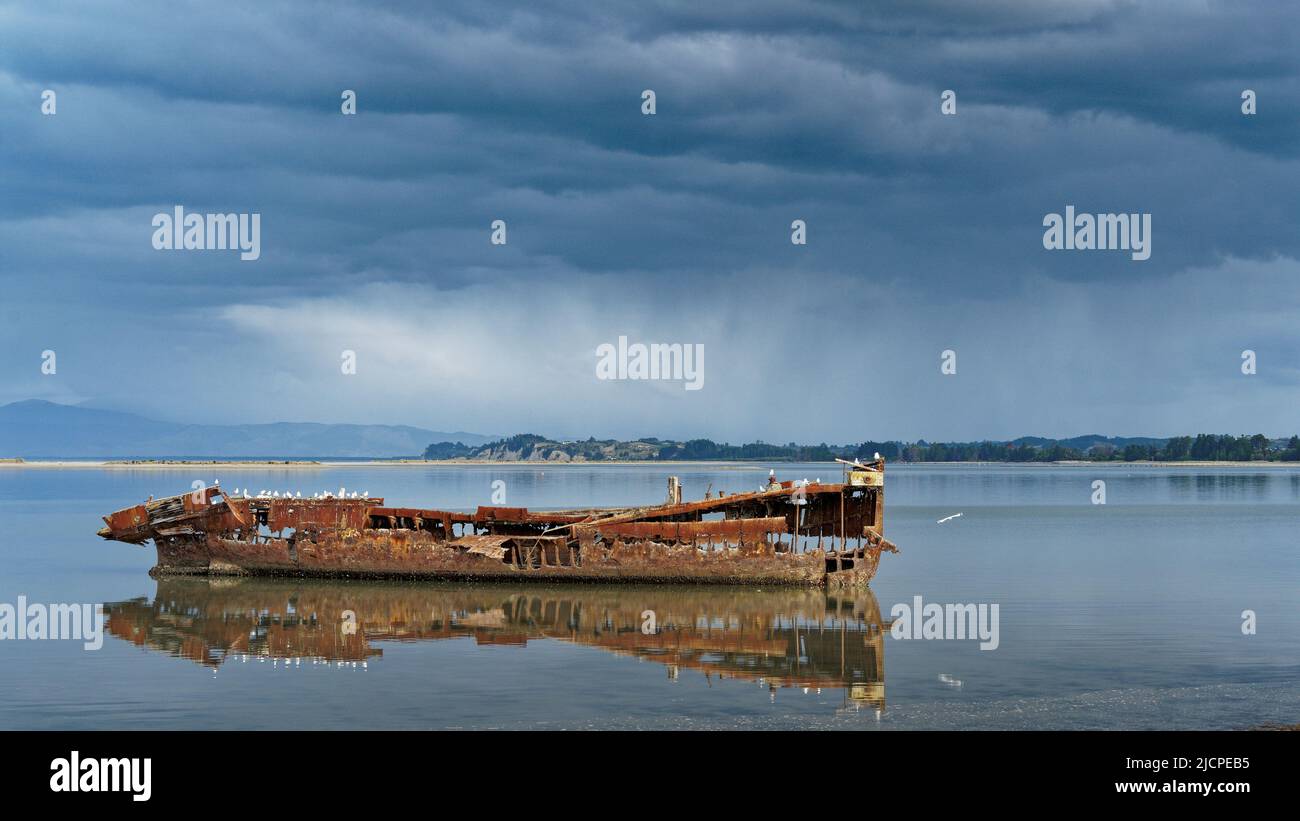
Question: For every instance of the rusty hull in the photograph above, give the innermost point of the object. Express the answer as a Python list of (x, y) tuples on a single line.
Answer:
[(791, 533)]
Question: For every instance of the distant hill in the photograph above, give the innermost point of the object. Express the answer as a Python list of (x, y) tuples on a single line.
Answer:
[(528, 447), (1089, 440), (39, 429), (35, 429)]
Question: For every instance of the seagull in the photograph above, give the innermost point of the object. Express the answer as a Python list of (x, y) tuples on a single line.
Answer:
[(946, 518)]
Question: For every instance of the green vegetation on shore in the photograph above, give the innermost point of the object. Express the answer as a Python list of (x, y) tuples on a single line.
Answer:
[(527, 447)]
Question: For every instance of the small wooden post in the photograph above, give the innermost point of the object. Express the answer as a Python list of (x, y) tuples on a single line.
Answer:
[(844, 530)]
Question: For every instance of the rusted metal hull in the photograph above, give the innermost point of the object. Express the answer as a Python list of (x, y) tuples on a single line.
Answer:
[(789, 533)]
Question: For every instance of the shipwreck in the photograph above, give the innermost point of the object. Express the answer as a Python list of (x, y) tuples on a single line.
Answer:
[(788, 532)]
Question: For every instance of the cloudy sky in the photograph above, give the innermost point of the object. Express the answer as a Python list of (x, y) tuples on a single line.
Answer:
[(925, 230)]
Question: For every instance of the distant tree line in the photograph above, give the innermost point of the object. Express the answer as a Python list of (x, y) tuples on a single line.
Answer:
[(1205, 447), (531, 446), (708, 450)]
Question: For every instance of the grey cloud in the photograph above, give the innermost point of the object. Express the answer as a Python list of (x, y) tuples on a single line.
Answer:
[(675, 226)]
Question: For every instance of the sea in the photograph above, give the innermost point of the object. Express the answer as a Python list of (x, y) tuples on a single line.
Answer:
[(1171, 600)]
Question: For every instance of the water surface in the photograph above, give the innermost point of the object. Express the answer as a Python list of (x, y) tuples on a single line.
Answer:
[(1122, 615)]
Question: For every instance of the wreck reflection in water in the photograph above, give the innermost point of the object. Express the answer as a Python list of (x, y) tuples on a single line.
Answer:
[(781, 637)]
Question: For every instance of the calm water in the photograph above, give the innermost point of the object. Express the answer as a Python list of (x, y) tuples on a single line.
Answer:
[(1123, 615)]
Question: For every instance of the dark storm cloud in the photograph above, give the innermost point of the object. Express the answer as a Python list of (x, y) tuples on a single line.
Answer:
[(767, 112)]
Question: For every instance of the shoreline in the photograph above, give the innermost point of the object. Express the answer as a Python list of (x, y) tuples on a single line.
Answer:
[(317, 464)]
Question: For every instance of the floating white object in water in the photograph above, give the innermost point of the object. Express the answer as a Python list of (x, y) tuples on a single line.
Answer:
[(946, 518)]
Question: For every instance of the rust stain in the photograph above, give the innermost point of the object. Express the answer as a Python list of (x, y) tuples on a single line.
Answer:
[(791, 532)]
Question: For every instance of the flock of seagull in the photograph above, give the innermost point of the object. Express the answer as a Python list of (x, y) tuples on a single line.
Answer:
[(275, 494)]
